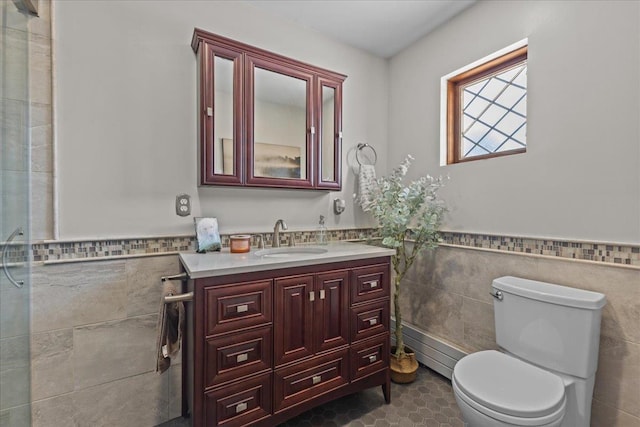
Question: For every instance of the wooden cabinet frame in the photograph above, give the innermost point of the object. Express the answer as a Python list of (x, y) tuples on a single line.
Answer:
[(245, 58)]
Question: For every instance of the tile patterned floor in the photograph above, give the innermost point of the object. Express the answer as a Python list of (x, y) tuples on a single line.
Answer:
[(427, 402)]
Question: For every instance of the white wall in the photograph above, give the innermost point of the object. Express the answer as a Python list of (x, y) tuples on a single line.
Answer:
[(126, 122), (580, 177)]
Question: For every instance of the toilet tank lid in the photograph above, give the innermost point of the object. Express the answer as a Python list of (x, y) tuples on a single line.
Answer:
[(547, 292)]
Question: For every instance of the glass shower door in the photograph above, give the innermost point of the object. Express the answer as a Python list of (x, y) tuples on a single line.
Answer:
[(15, 267)]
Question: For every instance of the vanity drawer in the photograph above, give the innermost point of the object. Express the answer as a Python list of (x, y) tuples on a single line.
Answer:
[(368, 320), (238, 355), (239, 404), (237, 306), (368, 283), (368, 357), (313, 377)]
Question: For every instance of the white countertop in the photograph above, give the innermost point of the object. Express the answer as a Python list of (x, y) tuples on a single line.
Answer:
[(223, 263)]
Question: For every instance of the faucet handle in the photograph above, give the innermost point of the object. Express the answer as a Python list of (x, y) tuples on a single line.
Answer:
[(292, 239)]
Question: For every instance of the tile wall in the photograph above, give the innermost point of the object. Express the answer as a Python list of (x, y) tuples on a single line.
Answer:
[(93, 344), (447, 294), (38, 34), (94, 325)]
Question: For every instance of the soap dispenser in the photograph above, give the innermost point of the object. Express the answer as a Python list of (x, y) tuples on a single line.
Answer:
[(321, 233)]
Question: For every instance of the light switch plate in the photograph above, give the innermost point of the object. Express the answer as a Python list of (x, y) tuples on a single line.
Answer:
[(183, 205)]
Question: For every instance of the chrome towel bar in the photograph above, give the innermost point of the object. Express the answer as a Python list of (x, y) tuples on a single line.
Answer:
[(177, 298), (180, 297), (181, 276)]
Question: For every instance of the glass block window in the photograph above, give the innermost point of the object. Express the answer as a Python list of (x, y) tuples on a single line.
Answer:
[(487, 109)]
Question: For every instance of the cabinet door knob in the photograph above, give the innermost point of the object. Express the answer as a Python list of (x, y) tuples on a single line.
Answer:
[(209, 111), (241, 407), (322, 294), (241, 357), (316, 379), (312, 296), (242, 308)]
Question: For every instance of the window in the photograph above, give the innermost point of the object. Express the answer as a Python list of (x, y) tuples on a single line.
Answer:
[(487, 109)]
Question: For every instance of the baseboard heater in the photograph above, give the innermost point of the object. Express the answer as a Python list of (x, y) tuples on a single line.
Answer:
[(430, 350)]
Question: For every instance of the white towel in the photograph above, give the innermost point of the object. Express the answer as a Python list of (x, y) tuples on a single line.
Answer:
[(366, 182)]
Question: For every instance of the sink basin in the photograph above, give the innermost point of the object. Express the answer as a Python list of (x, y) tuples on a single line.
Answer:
[(288, 252)]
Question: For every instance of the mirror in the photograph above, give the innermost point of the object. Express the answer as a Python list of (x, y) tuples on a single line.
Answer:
[(328, 131), (279, 151), (224, 150)]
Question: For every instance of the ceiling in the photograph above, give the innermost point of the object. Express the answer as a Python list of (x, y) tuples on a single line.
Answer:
[(382, 27)]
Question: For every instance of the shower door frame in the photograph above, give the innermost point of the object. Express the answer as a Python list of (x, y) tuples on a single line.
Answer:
[(15, 208)]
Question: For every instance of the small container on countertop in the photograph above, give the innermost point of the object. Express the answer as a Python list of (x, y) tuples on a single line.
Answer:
[(239, 243)]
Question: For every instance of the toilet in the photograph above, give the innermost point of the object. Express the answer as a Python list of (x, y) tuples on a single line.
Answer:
[(544, 374)]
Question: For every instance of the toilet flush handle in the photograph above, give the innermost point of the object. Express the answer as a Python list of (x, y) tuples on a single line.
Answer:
[(496, 294)]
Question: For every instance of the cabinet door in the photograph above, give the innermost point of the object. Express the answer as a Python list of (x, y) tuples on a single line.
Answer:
[(221, 104), (329, 135), (331, 312), (293, 328), (278, 156)]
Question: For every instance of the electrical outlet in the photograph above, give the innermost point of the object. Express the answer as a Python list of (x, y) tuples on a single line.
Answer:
[(183, 205)]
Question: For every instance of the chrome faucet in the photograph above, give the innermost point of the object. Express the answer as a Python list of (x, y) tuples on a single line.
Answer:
[(276, 232)]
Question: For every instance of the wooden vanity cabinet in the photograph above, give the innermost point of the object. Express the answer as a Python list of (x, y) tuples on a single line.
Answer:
[(266, 346)]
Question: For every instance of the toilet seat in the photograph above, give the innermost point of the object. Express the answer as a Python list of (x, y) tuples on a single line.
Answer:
[(508, 389)]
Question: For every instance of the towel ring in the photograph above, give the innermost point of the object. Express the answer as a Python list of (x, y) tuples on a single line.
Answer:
[(361, 147)]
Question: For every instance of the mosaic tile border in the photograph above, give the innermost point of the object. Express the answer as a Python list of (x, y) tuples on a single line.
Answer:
[(97, 249), (610, 253), (88, 250)]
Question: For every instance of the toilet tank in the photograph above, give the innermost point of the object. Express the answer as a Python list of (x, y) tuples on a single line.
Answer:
[(552, 326)]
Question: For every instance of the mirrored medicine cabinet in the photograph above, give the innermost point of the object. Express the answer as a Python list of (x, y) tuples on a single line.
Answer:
[(266, 120)]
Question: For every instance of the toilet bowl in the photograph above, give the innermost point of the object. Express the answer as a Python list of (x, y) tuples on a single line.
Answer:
[(494, 389)]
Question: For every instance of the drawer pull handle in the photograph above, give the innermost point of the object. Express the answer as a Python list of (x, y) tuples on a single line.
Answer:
[(373, 321), (312, 296), (241, 407), (241, 357), (242, 308), (322, 294), (373, 284), (373, 358), (316, 379)]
